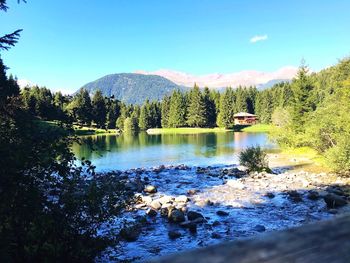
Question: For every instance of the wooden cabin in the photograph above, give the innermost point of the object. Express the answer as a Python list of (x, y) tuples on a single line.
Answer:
[(245, 118)]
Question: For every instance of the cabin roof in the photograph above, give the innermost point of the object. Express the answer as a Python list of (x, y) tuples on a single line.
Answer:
[(244, 114)]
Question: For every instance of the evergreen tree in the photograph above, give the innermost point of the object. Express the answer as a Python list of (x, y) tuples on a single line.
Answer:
[(177, 110), (145, 119), (112, 114), (227, 106), (165, 108), (196, 112), (81, 107), (210, 108), (99, 111)]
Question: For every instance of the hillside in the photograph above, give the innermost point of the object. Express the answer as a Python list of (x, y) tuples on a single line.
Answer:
[(133, 88)]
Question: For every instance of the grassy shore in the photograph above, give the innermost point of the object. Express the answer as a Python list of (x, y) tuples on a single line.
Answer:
[(258, 128), (78, 130), (184, 130)]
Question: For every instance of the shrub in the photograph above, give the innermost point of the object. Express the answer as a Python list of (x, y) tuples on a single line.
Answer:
[(255, 159)]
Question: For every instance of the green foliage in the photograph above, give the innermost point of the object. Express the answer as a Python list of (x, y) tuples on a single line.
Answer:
[(53, 208), (177, 110), (255, 159), (227, 102), (196, 113), (99, 110), (131, 125)]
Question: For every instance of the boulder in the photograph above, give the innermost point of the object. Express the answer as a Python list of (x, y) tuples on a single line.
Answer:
[(294, 196), (164, 211), (151, 189), (192, 226), (146, 199), (192, 215), (151, 212), (333, 200), (165, 199), (181, 199), (313, 195), (270, 195), (222, 213), (174, 234), (192, 191), (259, 228), (155, 204), (176, 216), (130, 233)]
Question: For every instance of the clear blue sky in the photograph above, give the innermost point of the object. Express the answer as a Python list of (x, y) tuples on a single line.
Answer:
[(67, 43)]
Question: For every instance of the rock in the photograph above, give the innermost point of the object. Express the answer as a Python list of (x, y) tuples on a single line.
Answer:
[(222, 213), (140, 206), (294, 196), (333, 211), (192, 226), (216, 223), (174, 234), (259, 228), (236, 184), (313, 195), (130, 233), (215, 235), (176, 216), (151, 212), (146, 199), (192, 191), (270, 195), (151, 189), (333, 200), (155, 204), (165, 199), (192, 215), (164, 211), (181, 199)]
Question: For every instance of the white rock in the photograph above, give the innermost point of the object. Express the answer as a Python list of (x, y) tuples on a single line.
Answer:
[(181, 199), (146, 199), (165, 199), (235, 183)]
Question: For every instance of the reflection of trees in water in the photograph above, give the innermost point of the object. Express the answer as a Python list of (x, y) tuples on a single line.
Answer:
[(207, 144)]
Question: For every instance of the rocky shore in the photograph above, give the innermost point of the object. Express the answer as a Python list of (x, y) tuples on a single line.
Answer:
[(178, 207)]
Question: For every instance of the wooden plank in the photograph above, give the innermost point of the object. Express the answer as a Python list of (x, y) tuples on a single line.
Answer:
[(322, 242)]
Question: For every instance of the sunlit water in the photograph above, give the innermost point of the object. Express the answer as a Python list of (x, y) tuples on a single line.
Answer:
[(111, 152)]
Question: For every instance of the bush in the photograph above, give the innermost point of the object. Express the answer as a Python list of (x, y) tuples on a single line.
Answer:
[(255, 159)]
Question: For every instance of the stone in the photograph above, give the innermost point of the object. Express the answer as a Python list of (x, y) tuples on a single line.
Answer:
[(174, 234), (259, 228), (294, 196), (334, 201), (216, 223), (222, 213), (155, 204), (164, 211), (176, 216), (192, 191), (313, 195), (236, 184), (146, 199), (181, 199), (192, 226), (130, 233), (270, 195), (165, 199), (151, 189), (192, 215), (151, 212)]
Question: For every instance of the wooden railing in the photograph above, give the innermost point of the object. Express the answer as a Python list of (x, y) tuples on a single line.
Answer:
[(322, 242)]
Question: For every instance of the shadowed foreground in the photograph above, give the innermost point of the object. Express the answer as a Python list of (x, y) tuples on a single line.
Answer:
[(327, 241)]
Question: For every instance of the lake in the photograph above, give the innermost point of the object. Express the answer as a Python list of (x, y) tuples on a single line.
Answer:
[(113, 152)]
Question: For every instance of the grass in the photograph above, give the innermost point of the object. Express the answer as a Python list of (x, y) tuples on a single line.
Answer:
[(184, 130), (258, 128), (80, 131)]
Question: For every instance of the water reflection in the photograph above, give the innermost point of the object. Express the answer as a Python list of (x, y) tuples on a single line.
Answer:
[(143, 150)]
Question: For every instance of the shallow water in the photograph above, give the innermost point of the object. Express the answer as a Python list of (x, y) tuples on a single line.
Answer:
[(122, 152)]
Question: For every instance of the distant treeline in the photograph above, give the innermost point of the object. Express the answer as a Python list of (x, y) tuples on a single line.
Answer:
[(195, 108)]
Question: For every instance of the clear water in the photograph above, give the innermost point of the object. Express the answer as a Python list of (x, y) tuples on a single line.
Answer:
[(112, 152)]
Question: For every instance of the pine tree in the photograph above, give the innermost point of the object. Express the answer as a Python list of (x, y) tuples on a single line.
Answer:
[(165, 108), (145, 121), (99, 109), (210, 108), (112, 113), (81, 107), (177, 110), (227, 106), (196, 112)]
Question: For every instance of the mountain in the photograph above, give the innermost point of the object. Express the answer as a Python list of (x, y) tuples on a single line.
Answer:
[(270, 83), (217, 80), (133, 88)]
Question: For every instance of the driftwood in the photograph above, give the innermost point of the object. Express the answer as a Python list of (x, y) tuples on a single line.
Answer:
[(322, 242)]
